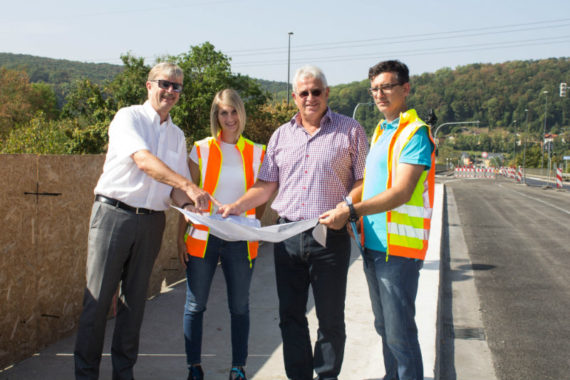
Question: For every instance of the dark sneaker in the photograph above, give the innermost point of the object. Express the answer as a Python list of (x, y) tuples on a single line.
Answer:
[(237, 373), (196, 373)]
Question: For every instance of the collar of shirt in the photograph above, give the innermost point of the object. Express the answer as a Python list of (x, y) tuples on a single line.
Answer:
[(325, 120), (390, 125), (154, 116)]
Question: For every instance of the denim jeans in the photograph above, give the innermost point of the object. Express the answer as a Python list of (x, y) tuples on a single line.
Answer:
[(299, 262), (199, 275), (393, 286)]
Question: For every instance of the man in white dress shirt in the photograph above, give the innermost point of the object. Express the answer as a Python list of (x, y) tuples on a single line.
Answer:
[(144, 169)]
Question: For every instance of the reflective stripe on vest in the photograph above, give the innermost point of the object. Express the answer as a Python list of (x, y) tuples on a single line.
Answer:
[(408, 225), (210, 163)]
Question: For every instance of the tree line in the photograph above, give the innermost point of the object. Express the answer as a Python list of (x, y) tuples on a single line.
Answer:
[(80, 125), (65, 107)]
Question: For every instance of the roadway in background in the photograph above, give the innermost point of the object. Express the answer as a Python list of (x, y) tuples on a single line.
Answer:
[(518, 244)]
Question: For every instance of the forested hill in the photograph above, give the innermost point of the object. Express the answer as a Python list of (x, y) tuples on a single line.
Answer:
[(58, 71), (494, 94)]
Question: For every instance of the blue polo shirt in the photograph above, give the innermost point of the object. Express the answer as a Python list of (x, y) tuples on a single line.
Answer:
[(417, 152)]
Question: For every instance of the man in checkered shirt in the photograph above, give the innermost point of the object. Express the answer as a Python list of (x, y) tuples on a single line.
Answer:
[(314, 161)]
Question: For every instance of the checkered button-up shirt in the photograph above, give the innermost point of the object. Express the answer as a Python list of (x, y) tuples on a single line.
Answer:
[(314, 172)]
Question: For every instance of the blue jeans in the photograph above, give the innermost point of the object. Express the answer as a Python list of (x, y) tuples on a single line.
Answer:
[(299, 262), (393, 286), (199, 275)]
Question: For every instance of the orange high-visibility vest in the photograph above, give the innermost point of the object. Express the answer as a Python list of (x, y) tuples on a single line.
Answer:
[(210, 163), (408, 225)]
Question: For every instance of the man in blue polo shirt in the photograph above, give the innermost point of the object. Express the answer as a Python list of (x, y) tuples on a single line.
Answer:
[(394, 211)]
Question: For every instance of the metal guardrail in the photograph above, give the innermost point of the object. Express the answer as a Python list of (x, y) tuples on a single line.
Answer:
[(544, 173)]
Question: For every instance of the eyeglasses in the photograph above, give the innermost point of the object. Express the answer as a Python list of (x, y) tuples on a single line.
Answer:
[(165, 85), (385, 88), (316, 93)]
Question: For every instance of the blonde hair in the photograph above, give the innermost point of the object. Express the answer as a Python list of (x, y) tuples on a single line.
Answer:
[(231, 98), (167, 68)]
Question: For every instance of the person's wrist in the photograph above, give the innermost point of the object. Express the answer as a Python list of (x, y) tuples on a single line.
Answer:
[(352, 216)]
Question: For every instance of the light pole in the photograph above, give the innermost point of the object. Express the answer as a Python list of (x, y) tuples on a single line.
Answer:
[(356, 107), (544, 128), (524, 150), (288, 67), (452, 122), (515, 145)]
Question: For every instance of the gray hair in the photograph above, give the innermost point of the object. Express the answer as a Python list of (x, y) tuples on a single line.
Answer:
[(309, 71), (167, 68)]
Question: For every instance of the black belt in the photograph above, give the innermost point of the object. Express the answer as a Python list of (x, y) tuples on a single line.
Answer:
[(124, 206)]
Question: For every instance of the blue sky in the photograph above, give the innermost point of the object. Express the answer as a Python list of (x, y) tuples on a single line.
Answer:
[(344, 38)]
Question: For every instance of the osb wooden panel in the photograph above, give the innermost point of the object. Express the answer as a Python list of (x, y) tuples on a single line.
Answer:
[(62, 236), (18, 259), (43, 248)]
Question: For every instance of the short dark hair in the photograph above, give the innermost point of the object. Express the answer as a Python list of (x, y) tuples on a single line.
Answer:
[(393, 66)]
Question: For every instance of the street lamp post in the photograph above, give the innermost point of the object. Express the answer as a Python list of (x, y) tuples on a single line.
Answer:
[(544, 128), (288, 67), (515, 145), (450, 123), (524, 150), (356, 107)]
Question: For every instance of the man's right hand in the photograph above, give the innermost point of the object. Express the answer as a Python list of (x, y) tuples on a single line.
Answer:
[(200, 197)]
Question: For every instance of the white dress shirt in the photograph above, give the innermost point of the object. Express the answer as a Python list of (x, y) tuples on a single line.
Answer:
[(133, 129)]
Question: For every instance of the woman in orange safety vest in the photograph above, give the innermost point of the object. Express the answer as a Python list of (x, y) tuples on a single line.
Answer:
[(225, 165)]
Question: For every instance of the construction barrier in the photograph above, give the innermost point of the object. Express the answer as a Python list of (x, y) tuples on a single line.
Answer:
[(519, 174), (471, 172), (559, 178)]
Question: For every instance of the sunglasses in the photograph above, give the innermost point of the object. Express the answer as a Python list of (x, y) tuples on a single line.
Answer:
[(315, 93), (165, 85)]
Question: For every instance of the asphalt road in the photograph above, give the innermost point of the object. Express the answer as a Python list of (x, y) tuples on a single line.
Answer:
[(518, 241), (544, 181)]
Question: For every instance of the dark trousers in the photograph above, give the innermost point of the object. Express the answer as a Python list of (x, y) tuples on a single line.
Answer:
[(299, 262), (122, 248)]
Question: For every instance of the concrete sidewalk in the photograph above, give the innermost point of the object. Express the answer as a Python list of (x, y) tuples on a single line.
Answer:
[(162, 354)]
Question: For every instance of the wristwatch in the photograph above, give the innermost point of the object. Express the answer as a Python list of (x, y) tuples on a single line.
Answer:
[(352, 217)]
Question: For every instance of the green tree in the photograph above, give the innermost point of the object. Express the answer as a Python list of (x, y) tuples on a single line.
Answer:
[(207, 71), (87, 103), (39, 136), (42, 98), (15, 106), (128, 87), (263, 123)]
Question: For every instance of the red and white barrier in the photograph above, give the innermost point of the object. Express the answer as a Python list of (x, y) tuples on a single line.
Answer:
[(470, 172), (559, 178)]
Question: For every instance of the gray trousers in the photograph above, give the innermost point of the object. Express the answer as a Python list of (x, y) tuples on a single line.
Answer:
[(122, 248)]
